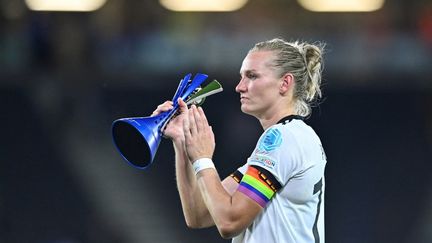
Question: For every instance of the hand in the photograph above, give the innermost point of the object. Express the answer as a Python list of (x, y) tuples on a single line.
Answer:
[(199, 136), (174, 128)]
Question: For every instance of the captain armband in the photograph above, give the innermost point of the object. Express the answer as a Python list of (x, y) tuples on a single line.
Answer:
[(237, 176), (259, 184)]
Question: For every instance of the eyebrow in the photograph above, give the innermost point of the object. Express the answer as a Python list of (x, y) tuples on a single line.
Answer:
[(248, 71)]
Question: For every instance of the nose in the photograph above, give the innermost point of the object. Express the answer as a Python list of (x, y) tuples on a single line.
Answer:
[(241, 86)]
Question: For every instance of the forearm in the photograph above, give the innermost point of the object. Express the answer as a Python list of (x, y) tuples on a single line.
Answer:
[(194, 209), (230, 210), (223, 207)]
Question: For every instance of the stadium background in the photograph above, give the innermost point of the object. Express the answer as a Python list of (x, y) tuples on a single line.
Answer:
[(64, 77)]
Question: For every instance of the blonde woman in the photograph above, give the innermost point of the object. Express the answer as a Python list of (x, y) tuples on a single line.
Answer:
[(277, 195)]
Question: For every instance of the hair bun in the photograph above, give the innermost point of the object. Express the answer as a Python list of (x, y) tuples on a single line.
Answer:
[(305, 62), (313, 59)]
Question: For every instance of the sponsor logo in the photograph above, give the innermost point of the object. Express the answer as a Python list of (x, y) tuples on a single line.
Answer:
[(263, 160)]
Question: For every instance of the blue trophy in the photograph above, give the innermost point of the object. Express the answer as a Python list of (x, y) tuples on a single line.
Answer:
[(138, 138)]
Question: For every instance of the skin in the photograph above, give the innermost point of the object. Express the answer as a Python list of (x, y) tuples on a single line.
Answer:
[(262, 94), (206, 200)]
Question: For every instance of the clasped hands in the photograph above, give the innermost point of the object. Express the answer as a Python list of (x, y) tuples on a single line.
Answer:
[(192, 126), (199, 136)]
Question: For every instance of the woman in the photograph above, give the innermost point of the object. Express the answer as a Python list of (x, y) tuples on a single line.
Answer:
[(277, 195)]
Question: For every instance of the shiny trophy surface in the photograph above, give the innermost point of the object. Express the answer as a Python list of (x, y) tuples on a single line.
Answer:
[(138, 138)]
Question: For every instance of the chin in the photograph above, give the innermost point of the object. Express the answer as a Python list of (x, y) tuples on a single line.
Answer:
[(245, 110)]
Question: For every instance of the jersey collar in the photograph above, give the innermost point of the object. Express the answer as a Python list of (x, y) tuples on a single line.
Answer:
[(289, 118)]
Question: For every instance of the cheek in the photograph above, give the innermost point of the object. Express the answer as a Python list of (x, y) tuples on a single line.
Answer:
[(255, 89), (259, 91)]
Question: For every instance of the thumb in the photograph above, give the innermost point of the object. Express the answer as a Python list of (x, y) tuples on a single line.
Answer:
[(182, 105)]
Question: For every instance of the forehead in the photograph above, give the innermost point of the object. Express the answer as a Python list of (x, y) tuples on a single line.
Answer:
[(257, 60)]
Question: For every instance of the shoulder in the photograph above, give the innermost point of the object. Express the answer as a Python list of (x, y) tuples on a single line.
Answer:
[(282, 134), (297, 131)]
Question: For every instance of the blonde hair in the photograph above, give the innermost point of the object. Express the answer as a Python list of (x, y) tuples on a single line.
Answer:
[(304, 61)]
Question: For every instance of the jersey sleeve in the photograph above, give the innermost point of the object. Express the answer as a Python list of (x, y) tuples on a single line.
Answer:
[(277, 152), (269, 168)]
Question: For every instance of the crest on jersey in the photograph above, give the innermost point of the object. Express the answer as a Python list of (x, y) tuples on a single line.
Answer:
[(271, 140)]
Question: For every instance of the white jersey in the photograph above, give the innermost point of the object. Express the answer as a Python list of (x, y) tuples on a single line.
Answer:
[(292, 152)]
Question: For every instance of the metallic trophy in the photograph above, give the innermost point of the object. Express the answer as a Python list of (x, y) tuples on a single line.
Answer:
[(137, 138)]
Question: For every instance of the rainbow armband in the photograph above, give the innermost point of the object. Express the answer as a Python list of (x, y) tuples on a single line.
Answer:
[(259, 185)]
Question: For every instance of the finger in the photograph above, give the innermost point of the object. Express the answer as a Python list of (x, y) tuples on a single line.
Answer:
[(200, 125), (186, 130), (166, 106), (212, 133), (182, 105), (192, 121), (203, 116), (205, 127), (183, 109)]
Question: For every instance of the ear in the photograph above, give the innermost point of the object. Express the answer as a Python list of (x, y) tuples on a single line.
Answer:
[(286, 84)]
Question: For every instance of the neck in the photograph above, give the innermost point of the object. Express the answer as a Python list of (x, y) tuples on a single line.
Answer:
[(270, 120)]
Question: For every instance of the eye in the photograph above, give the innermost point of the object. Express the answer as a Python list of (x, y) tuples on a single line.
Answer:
[(252, 76)]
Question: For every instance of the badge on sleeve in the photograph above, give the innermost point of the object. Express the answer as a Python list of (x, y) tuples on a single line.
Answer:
[(271, 140)]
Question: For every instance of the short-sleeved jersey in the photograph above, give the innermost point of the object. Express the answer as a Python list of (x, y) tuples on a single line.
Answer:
[(292, 152)]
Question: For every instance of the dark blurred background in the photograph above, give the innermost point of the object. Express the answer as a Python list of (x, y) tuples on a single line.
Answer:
[(65, 76)]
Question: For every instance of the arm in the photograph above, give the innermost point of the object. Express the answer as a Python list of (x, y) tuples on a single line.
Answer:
[(232, 212), (195, 213), (194, 210)]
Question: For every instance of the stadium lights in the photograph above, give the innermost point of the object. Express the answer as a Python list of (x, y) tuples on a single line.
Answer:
[(341, 5), (203, 5), (65, 5)]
